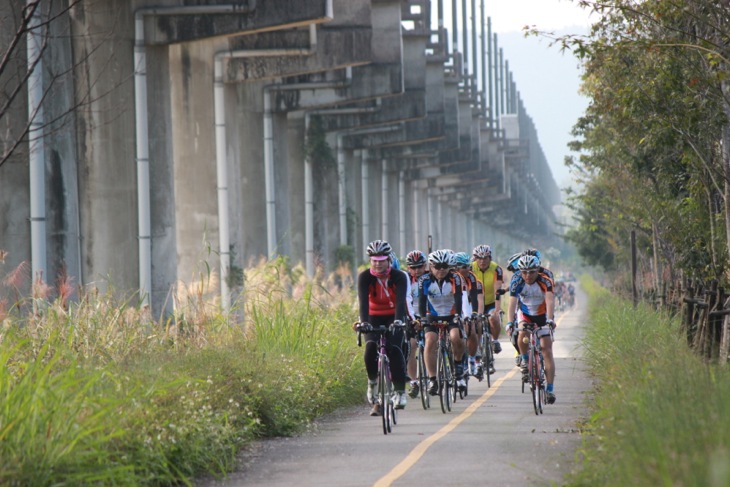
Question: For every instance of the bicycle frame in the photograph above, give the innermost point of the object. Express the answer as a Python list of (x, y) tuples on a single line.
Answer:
[(444, 366), (536, 369), (486, 349), (386, 394), (421, 370)]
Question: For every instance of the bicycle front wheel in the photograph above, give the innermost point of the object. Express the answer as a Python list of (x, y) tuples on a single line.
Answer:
[(450, 379), (542, 382), (441, 378), (488, 358), (383, 398), (535, 381), (423, 379)]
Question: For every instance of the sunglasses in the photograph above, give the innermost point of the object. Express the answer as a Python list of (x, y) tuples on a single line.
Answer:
[(415, 266), (534, 271), (441, 267)]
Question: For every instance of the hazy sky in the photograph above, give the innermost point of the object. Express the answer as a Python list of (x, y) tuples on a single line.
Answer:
[(547, 80)]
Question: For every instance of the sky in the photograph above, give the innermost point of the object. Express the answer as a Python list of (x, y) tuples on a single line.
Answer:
[(547, 80)]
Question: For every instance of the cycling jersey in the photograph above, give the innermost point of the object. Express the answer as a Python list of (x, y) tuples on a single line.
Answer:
[(412, 297), (531, 297), (471, 289), (488, 278), (439, 297), (382, 296)]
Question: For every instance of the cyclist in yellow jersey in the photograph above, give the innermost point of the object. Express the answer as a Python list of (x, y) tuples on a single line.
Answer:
[(492, 277)]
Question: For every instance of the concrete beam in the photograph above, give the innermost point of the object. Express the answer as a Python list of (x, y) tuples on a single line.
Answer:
[(256, 16)]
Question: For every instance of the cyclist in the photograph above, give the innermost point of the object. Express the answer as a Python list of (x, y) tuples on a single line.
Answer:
[(382, 300), (559, 295), (512, 267), (472, 307), (571, 295), (439, 299), (417, 266), (532, 304), (492, 277)]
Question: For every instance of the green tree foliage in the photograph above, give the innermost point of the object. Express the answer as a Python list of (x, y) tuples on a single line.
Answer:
[(650, 143)]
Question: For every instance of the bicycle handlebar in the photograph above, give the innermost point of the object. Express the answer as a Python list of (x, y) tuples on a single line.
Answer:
[(368, 328)]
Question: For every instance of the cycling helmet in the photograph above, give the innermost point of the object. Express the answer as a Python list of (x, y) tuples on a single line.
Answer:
[(415, 258), (534, 252), (379, 248), (482, 251), (394, 262), (528, 263), (439, 257), (512, 262), (461, 259), (450, 252)]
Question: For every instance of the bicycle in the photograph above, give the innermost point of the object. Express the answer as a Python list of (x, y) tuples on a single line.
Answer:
[(421, 370), (386, 393), (535, 368), (445, 377), (486, 350)]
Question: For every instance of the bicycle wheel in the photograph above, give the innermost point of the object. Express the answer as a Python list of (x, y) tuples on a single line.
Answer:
[(488, 358), (392, 413), (383, 398), (465, 376), (442, 378), (450, 379), (422, 379), (541, 380), (535, 381)]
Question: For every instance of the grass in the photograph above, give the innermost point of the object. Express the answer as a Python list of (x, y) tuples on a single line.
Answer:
[(661, 416), (94, 391)]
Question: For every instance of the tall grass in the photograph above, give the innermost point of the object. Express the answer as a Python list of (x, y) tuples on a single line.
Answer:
[(661, 416), (95, 391)]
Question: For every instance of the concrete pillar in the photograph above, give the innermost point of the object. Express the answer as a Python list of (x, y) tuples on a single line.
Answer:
[(384, 206), (365, 199)]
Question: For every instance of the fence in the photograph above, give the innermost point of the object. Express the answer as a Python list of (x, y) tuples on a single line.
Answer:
[(706, 318)]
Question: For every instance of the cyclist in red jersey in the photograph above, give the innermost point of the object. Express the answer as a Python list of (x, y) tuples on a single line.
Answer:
[(382, 300)]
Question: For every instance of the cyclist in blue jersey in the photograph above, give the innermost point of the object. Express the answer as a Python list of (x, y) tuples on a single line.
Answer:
[(439, 299), (532, 304), (417, 266)]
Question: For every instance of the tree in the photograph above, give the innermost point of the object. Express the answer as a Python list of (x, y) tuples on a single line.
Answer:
[(653, 134)]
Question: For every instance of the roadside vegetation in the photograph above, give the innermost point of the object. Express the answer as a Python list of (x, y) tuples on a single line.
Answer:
[(651, 151), (660, 413), (95, 391)]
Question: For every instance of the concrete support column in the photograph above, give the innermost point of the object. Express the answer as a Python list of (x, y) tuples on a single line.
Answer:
[(384, 229), (431, 210), (402, 211), (36, 148), (440, 235), (416, 213), (365, 199)]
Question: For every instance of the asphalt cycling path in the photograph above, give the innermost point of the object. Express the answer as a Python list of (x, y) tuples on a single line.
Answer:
[(491, 437)]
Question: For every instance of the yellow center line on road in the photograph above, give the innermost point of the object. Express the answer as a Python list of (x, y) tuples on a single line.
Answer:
[(415, 454), (410, 460)]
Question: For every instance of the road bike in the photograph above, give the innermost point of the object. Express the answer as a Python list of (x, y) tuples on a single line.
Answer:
[(421, 369), (485, 350), (386, 394), (445, 376), (535, 368)]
